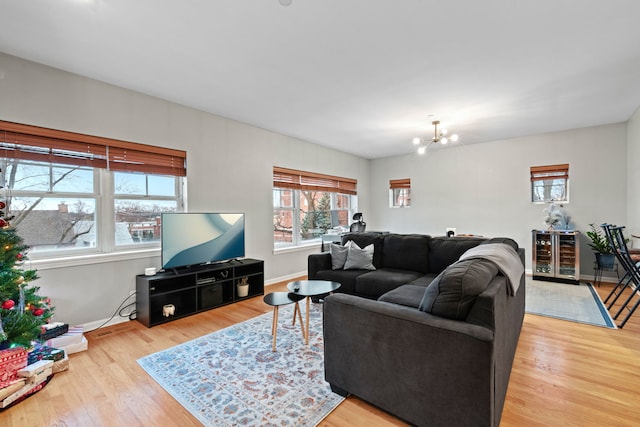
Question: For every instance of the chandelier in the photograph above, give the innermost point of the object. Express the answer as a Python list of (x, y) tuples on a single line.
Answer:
[(437, 137)]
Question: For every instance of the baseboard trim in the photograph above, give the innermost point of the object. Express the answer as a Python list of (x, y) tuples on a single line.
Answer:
[(288, 277)]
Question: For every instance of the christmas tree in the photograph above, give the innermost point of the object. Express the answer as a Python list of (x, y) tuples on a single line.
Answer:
[(22, 310)]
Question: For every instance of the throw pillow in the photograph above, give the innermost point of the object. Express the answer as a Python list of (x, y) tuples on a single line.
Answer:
[(359, 259), (338, 256), (454, 291)]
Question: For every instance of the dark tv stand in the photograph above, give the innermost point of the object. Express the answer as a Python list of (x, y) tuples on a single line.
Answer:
[(194, 289)]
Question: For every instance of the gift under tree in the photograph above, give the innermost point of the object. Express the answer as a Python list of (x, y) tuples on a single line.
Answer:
[(22, 310)]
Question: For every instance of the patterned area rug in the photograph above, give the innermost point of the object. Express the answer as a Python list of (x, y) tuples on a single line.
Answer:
[(577, 303), (231, 377)]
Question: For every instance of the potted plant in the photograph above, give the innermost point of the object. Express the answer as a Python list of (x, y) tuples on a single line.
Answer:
[(243, 287), (599, 243)]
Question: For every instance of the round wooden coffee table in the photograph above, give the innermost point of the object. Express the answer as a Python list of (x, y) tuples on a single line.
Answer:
[(308, 289)]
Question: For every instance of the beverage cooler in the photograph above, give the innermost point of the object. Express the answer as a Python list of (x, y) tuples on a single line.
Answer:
[(556, 256)]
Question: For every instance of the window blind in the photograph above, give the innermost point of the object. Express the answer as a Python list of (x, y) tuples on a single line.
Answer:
[(541, 173), (301, 180), (400, 183), (19, 141)]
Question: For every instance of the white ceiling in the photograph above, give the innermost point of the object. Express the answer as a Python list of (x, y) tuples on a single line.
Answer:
[(361, 76)]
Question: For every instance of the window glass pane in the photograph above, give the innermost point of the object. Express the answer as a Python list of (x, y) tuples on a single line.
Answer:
[(142, 184), (400, 197), (138, 221), (26, 176), (129, 183), (72, 179), (315, 215), (549, 189), (282, 226), (282, 198), (53, 223), (162, 185), (45, 177)]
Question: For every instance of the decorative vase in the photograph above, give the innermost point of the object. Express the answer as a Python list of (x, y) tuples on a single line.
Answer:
[(243, 290)]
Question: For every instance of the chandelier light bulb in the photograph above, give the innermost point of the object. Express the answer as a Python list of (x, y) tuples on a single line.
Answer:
[(417, 140), (444, 140), (454, 137), (444, 132), (422, 149)]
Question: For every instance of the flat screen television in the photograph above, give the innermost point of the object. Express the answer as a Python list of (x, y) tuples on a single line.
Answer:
[(190, 238)]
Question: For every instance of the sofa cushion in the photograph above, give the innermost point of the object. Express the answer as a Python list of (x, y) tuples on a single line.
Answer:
[(359, 259), (375, 283), (453, 292), (338, 256), (346, 278), (444, 251), (407, 295), (406, 252), (366, 239), (425, 280)]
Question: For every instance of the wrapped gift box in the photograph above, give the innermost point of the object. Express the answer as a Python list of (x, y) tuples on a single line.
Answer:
[(52, 330), (61, 365), (75, 348), (73, 336), (37, 372), (12, 388), (11, 361), (44, 353), (23, 393)]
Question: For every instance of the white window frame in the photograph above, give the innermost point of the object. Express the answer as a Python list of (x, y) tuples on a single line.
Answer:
[(104, 214)]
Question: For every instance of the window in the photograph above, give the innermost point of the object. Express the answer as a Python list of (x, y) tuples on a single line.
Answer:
[(69, 193), (307, 204), (550, 183), (400, 193)]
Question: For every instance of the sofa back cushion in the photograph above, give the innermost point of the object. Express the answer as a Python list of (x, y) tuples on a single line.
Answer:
[(406, 252), (453, 293), (365, 239), (444, 251)]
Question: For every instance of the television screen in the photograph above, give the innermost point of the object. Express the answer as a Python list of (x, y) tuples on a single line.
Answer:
[(198, 238)]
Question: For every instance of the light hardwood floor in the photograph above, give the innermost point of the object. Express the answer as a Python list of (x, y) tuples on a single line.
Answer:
[(564, 374)]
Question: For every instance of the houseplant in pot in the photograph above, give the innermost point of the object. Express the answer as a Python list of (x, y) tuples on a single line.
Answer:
[(599, 243)]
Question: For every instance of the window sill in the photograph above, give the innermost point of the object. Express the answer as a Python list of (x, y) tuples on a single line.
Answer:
[(76, 260), (300, 248)]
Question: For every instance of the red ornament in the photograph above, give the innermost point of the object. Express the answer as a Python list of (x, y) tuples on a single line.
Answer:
[(2, 204), (8, 304), (37, 311), (3, 223), (19, 256)]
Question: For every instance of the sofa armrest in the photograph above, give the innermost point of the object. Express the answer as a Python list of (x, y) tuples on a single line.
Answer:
[(410, 363), (318, 262)]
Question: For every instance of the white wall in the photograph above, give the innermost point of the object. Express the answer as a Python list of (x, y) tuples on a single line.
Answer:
[(229, 169), (485, 189), (633, 176)]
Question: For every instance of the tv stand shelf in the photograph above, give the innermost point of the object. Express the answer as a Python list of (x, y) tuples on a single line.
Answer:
[(191, 290)]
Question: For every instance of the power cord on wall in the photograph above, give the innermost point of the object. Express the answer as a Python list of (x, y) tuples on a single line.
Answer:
[(119, 311)]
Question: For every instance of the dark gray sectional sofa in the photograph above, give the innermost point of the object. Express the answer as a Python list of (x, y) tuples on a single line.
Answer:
[(424, 337)]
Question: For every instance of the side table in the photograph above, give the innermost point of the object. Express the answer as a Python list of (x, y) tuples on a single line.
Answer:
[(307, 289), (276, 299)]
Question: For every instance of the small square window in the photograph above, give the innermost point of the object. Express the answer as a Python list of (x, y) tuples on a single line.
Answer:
[(400, 193), (549, 183)]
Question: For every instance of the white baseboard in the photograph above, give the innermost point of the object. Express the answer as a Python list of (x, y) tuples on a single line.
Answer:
[(285, 278), (103, 323)]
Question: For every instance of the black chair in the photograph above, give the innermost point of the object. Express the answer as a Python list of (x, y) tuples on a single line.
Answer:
[(359, 226), (631, 279)]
